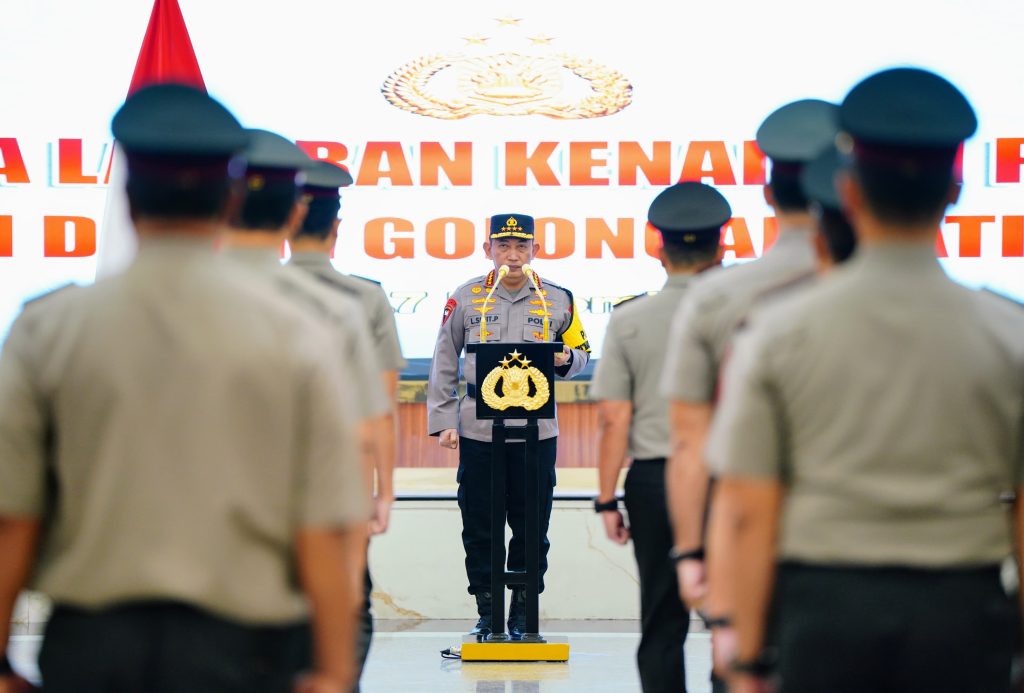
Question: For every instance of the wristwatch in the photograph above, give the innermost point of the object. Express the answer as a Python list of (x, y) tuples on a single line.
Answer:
[(761, 666), (607, 506), (712, 622), (675, 555)]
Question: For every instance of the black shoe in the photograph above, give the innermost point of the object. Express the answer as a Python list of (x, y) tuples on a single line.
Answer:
[(483, 608), (517, 615)]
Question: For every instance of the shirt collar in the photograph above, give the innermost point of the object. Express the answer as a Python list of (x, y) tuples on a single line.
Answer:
[(255, 257), (312, 259), (899, 257), (792, 239), (678, 280)]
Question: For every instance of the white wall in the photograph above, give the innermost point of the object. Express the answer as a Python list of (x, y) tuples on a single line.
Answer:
[(418, 566)]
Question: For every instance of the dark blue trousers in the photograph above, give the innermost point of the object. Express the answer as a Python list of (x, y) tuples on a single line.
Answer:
[(474, 479)]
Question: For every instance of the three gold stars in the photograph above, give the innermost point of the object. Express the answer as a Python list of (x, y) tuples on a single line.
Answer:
[(538, 40)]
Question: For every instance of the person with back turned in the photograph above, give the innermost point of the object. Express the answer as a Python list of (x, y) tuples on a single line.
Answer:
[(312, 247), (869, 428), (703, 326), (522, 309), (178, 469), (634, 423)]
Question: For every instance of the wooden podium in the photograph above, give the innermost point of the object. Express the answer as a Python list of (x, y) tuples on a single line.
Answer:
[(515, 382)]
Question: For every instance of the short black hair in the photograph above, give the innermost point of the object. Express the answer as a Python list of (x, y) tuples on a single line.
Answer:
[(320, 217), (682, 254), (786, 189), (838, 233), (178, 187), (267, 207), (913, 190)]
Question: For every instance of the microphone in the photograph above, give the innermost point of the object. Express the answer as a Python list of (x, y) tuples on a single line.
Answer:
[(528, 271), (502, 271)]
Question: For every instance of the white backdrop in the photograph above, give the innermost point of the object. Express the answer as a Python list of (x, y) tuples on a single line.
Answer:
[(314, 70)]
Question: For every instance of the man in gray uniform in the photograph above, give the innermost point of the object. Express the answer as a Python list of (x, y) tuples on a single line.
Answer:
[(515, 312), (178, 469), (634, 423), (703, 326), (311, 248), (868, 429), (269, 214), (834, 243)]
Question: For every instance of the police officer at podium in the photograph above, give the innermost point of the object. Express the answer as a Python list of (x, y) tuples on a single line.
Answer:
[(634, 423), (522, 308)]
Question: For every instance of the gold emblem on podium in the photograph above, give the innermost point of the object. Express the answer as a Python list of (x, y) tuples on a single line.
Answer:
[(515, 374), (451, 86)]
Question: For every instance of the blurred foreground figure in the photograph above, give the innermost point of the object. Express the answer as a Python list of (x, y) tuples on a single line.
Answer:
[(271, 212), (869, 426), (312, 247), (634, 423), (178, 470), (702, 330)]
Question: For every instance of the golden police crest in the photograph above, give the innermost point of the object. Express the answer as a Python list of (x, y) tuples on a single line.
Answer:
[(453, 86), (515, 376)]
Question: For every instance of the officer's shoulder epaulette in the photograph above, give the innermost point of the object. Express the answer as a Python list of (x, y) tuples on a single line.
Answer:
[(366, 279), (546, 284), (628, 300), (476, 285), (1010, 300), (41, 298)]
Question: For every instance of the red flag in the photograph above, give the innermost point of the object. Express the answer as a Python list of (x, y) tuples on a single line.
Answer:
[(166, 56)]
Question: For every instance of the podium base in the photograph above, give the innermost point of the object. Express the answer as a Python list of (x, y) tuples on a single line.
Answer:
[(554, 650)]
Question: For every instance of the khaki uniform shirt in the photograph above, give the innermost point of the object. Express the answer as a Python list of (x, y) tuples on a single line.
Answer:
[(343, 315), (889, 402), (631, 364), (370, 295), (716, 305), (511, 317), (173, 426)]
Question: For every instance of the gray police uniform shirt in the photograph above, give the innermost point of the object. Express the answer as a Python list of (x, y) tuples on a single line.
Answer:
[(631, 364), (716, 305), (370, 295), (889, 402), (172, 427), (511, 317), (341, 313)]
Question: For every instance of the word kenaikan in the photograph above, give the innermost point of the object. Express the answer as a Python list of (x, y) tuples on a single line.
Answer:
[(541, 164)]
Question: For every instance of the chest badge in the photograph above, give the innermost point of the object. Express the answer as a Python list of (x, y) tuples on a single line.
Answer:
[(515, 376)]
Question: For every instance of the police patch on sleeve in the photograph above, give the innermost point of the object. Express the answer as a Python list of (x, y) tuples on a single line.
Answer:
[(449, 308)]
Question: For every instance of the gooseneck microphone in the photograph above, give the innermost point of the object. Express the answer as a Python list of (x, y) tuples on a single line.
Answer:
[(502, 271)]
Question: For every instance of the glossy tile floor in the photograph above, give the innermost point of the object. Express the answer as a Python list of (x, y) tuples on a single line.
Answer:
[(405, 658)]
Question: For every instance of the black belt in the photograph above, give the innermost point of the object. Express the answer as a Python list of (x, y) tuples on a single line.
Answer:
[(649, 460), (471, 390)]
